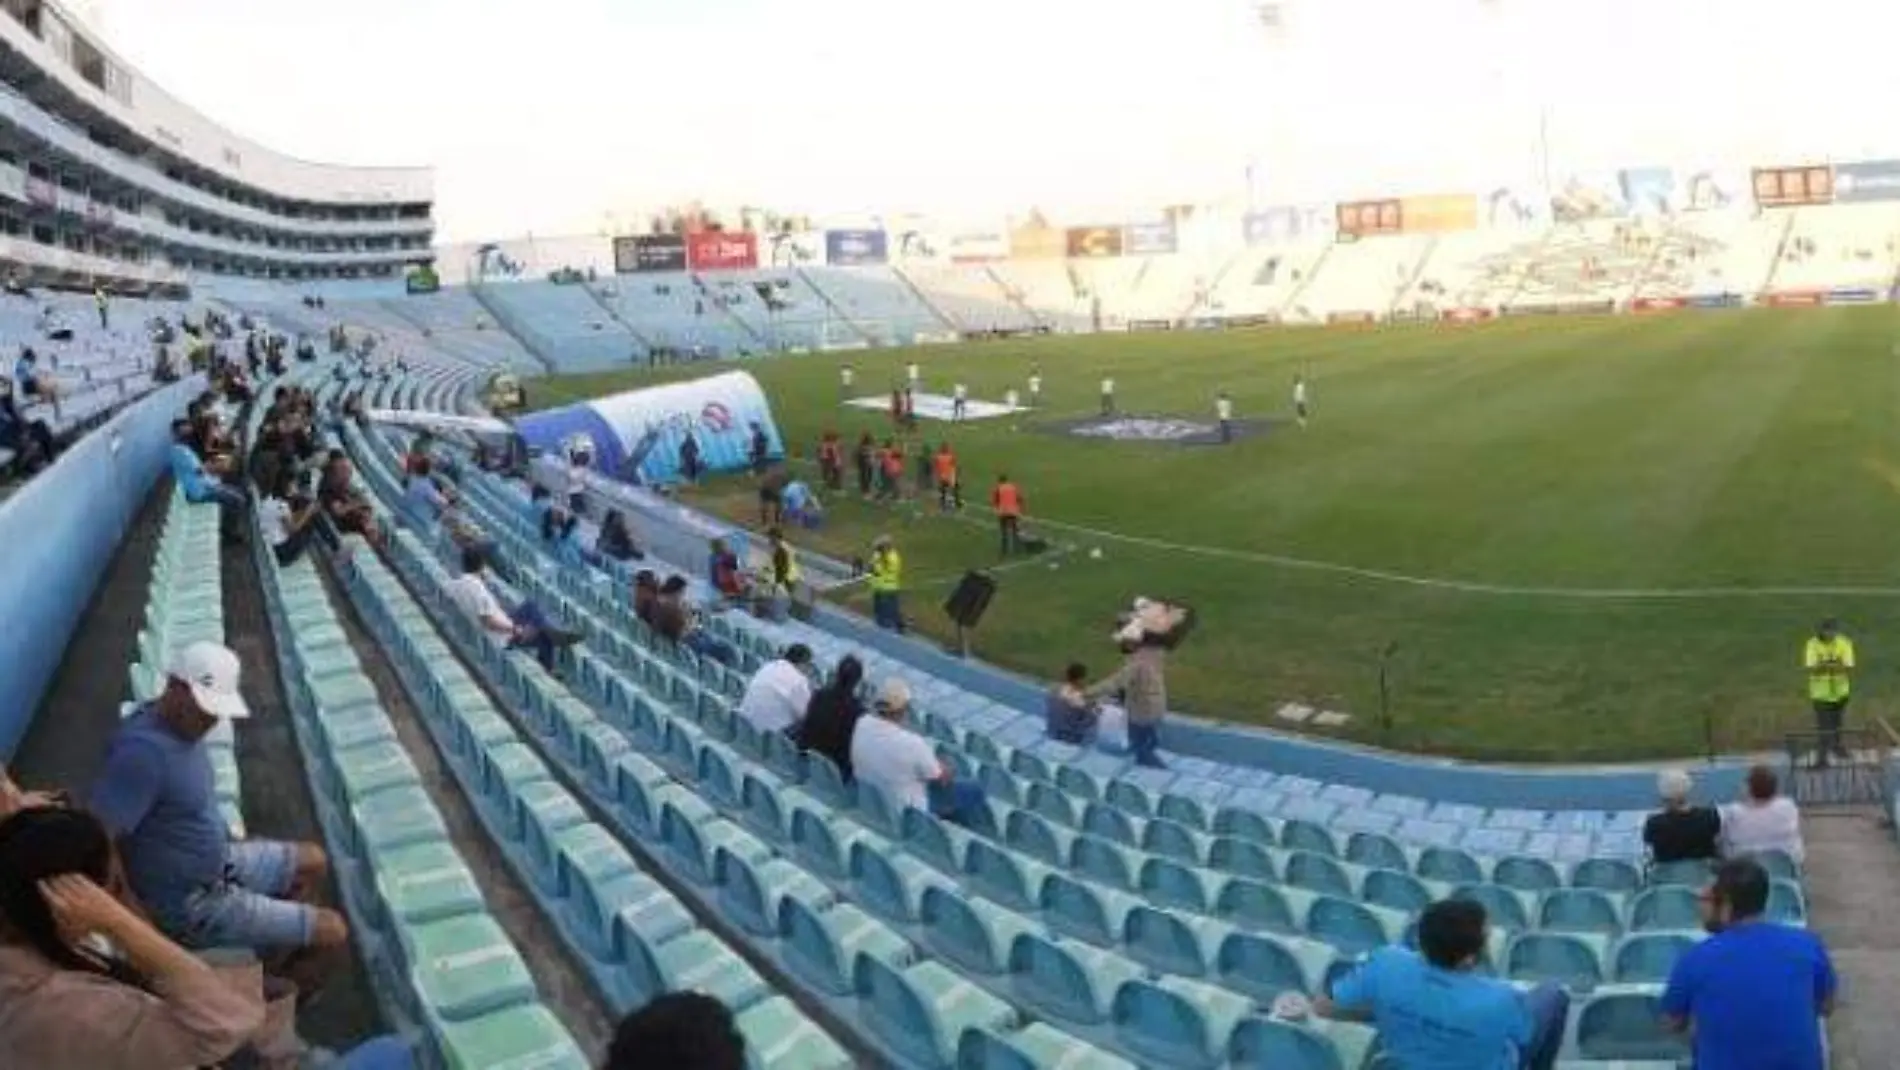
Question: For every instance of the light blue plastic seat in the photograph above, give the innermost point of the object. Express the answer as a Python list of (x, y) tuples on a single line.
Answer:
[(1449, 865), (1375, 851), (1255, 905), (1570, 959), (1188, 812), (1067, 980), (717, 776), (1035, 1047), (921, 1011), (824, 781), (1607, 875), (1171, 839), (880, 813), (539, 812), (1246, 825), (1585, 910), (1085, 911), (1005, 877), (1079, 782), (1779, 865), (750, 893), (1177, 1023), (822, 947), (1534, 875), (760, 809), (999, 784), (1665, 907), (1319, 873), (1100, 860), (646, 916), (638, 784), (1167, 942), (1647, 957), (1035, 836), (973, 933), (778, 1036), (1503, 907), (1692, 873), (1786, 902), (892, 884), (936, 842), (1270, 1044), (1051, 804), (1622, 1022), (1108, 823), (821, 844), (1244, 858), (1348, 925), (1264, 965), (1395, 890), (698, 961), (464, 966), (1181, 887), (1297, 835), (1130, 798), (1029, 766)]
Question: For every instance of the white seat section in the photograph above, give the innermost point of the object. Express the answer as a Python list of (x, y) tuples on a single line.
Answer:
[(1842, 246), (969, 294), (1362, 277)]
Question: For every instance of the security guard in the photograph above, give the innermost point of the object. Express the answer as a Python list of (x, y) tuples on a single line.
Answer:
[(887, 579), (1829, 658)]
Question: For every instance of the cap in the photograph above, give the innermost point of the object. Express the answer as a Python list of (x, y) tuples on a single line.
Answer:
[(894, 695), (881, 542), (211, 671)]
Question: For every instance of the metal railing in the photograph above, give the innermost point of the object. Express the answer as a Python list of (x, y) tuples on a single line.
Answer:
[(1851, 767)]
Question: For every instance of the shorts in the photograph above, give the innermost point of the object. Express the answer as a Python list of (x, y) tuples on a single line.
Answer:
[(247, 909)]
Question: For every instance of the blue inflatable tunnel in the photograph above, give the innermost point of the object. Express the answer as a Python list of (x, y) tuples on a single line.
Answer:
[(636, 435)]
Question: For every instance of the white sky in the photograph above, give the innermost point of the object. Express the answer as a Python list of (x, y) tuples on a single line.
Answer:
[(544, 116)]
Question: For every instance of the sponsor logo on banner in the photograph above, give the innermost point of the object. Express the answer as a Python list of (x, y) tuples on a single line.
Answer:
[(851, 247), (1442, 213), (716, 417), (1716, 301), (1466, 315), (1349, 317), (1257, 319), (1084, 243), (40, 193), (1794, 299), (1868, 180), (1149, 239), (1852, 297), (718, 250), (650, 252), (1145, 429), (1560, 308), (1658, 304), (1151, 325), (975, 246)]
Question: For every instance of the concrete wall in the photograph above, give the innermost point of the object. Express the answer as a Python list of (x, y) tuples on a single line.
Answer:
[(57, 535)]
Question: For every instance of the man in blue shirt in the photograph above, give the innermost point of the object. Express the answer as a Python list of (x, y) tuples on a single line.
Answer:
[(1434, 1011), (189, 472), (1754, 991), (157, 795)]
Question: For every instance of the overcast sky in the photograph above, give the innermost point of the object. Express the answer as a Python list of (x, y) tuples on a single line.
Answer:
[(545, 115)]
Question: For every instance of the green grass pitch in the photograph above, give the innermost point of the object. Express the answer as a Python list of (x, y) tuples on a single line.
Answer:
[(1578, 524)]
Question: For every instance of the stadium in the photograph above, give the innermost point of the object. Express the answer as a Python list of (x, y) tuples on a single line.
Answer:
[(737, 637)]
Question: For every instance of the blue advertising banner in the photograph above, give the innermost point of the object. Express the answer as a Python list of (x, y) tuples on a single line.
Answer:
[(856, 247), (1716, 301), (1648, 191), (1149, 239), (1852, 297), (1272, 226), (1868, 180)]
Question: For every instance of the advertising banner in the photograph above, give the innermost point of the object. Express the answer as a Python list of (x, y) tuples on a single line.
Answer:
[(1442, 213), (650, 252), (1037, 240), (1868, 180), (718, 250), (1711, 190), (1716, 301), (1466, 315), (1658, 304), (1149, 239), (1150, 325), (1560, 308), (1648, 191), (1588, 196), (976, 246), (1272, 226), (1359, 219), (1794, 299), (1852, 297), (1088, 243), (792, 248), (1349, 317), (858, 248), (1786, 187), (1508, 206), (1255, 319)]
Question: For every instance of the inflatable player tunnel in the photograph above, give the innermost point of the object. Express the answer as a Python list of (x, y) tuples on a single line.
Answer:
[(635, 436)]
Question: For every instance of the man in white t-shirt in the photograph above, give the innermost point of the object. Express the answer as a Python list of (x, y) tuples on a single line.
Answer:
[(959, 401), (914, 375), (288, 521), (526, 626), (845, 376), (1300, 399), (577, 484), (1035, 386), (1108, 397), (888, 757), (780, 692), (1224, 412)]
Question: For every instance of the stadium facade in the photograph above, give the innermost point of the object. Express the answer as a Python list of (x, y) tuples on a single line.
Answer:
[(105, 177)]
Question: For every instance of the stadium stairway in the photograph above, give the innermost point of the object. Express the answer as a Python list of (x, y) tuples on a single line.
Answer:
[(1195, 920)]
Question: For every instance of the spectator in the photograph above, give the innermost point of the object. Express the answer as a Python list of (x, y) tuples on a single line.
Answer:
[(689, 458), (723, 571), (1071, 714), (1754, 992), (1762, 820), (1432, 1008), (1680, 832), (347, 509), (65, 1006), (616, 539), (772, 497), (577, 484), (759, 451), (1142, 683), (802, 507), (30, 440), (783, 576), (675, 621), (26, 371), (540, 503), (678, 1031), (646, 594), (866, 458), (887, 582), (154, 795), (195, 479), (832, 719), (289, 520), (780, 692), (560, 532), (527, 627), (888, 757)]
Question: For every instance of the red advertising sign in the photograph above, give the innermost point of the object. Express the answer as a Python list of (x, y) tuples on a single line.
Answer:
[(1795, 299), (716, 250), (1658, 304), (1466, 315)]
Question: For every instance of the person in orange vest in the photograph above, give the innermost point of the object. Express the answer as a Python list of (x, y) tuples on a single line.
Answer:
[(831, 461), (1007, 500), (949, 487), (892, 456)]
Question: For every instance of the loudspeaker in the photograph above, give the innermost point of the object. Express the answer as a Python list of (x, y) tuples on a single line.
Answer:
[(972, 597)]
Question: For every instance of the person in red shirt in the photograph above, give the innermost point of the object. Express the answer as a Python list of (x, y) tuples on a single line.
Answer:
[(893, 460), (831, 461), (949, 487), (1007, 500)]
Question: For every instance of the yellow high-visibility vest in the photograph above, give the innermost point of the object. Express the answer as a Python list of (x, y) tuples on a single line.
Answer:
[(1828, 662)]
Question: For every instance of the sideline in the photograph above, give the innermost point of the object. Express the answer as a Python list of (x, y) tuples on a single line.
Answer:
[(1439, 583)]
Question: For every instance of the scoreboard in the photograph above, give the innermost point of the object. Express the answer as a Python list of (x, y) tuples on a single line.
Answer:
[(1360, 219)]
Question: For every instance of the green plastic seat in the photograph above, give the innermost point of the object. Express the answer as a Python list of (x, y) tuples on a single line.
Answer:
[(700, 962), (354, 727), (342, 691), (779, 1037), (520, 1038), (396, 818), (426, 882), (373, 767), (1037, 1045), (464, 967)]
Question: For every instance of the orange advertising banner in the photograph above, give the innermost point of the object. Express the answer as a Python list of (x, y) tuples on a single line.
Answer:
[(1780, 187), (1037, 241), (1440, 213)]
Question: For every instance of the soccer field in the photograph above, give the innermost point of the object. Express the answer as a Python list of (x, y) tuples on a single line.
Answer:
[(1588, 538)]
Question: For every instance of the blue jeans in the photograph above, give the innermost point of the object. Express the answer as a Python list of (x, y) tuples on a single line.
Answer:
[(528, 615), (1549, 1006), (1144, 740), (248, 908), (885, 611), (711, 646), (956, 801), (383, 1053)]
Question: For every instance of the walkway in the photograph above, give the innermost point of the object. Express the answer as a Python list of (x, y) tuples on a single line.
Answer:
[(1853, 878)]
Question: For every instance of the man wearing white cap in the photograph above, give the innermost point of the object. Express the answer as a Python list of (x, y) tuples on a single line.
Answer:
[(157, 795), (888, 757)]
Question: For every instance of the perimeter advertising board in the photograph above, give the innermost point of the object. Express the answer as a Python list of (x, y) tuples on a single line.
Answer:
[(640, 253), (857, 248), (1867, 180), (1149, 239), (719, 250), (1442, 213), (1091, 243)]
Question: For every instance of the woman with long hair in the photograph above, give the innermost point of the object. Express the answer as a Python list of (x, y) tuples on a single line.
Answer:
[(833, 715), (64, 1004)]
